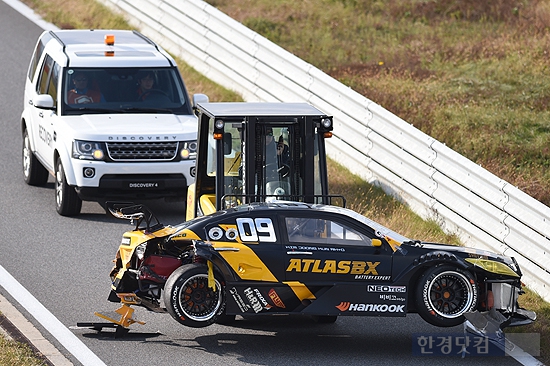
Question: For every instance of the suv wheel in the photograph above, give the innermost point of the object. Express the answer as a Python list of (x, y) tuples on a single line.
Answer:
[(67, 202), (33, 172)]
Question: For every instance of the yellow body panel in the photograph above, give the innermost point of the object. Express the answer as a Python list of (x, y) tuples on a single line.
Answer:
[(245, 262), (190, 210), (208, 203), (186, 234), (300, 290)]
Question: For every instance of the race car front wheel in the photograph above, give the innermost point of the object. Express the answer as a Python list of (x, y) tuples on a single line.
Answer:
[(444, 293), (188, 298)]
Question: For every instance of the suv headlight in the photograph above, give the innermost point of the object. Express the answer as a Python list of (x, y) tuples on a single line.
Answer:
[(188, 150), (88, 150)]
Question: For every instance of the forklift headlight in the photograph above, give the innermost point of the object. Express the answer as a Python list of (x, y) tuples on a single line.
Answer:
[(219, 124), (326, 122)]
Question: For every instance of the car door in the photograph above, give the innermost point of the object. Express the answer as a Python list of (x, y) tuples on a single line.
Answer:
[(250, 246), (336, 260), (44, 119)]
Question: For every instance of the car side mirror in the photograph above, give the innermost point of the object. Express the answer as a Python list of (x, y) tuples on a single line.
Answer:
[(43, 101), (376, 242)]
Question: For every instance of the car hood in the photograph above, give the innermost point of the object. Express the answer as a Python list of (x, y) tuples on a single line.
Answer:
[(133, 127), (465, 251)]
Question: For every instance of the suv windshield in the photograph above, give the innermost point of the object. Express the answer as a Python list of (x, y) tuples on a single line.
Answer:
[(113, 90)]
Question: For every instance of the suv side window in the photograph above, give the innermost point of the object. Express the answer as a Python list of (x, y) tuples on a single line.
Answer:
[(37, 54), (49, 77)]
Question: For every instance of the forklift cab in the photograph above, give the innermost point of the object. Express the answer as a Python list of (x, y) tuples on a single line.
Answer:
[(251, 152)]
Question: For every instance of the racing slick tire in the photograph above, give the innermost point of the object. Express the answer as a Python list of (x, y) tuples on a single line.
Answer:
[(34, 172), (444, 293), (188, 298), (67, 202)]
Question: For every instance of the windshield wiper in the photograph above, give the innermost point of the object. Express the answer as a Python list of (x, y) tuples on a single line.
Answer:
[(148, 109), (94, 109)]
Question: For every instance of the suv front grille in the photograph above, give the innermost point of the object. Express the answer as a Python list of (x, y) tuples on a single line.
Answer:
[(145, 151)]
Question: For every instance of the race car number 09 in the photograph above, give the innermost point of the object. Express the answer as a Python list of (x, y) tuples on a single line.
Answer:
[(258, 229)]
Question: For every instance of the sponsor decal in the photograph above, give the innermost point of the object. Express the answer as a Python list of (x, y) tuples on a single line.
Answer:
[(174, 300), (276, 299), (312, 249), (383, 288), (388, 292), (376, 308), (253, 300), (262, 299), (372, 278), (238, 300), (391, 297), (125, 241), (358, 268)]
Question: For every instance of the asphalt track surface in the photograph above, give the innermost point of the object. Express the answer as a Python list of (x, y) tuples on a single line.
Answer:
[(64, 264)]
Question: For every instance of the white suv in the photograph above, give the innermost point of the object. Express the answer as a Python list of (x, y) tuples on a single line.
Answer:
[(106, 113)]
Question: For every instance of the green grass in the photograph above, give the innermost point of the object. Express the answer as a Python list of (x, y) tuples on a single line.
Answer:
[(471, 74)]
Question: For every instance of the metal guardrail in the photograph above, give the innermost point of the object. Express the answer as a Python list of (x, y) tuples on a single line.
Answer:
[(436, 182)]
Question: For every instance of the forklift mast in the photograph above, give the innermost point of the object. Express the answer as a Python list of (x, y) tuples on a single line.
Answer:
[(255, 152)]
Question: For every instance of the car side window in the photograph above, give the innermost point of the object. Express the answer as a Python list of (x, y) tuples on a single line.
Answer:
[(43, 82), (54, 81), (323, 231), (49, 77), (40, 45)]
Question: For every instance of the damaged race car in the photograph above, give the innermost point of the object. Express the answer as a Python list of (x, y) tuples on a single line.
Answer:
[(309, 259)]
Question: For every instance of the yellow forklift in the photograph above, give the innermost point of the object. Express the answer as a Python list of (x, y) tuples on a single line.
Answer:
[(255, 152)]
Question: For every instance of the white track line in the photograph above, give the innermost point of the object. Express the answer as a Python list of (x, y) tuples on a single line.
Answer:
[(67, 339)]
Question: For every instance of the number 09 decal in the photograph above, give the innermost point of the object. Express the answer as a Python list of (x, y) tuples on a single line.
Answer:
[(256, 229)]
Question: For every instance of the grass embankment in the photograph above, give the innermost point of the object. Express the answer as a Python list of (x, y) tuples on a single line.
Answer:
[(468, 73), (472, 74)]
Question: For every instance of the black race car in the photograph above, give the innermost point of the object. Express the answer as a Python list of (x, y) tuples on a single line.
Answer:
[(309, 259)]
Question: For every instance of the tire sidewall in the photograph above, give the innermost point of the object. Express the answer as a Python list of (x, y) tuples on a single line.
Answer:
[(34, 173), (70, 204), (424, 307), (172, 290)]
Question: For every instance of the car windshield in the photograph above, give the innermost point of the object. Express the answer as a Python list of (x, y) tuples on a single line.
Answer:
[(121, 90)]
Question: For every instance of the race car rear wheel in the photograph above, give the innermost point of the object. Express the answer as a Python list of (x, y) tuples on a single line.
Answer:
[(188, 298), (444, 293)]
